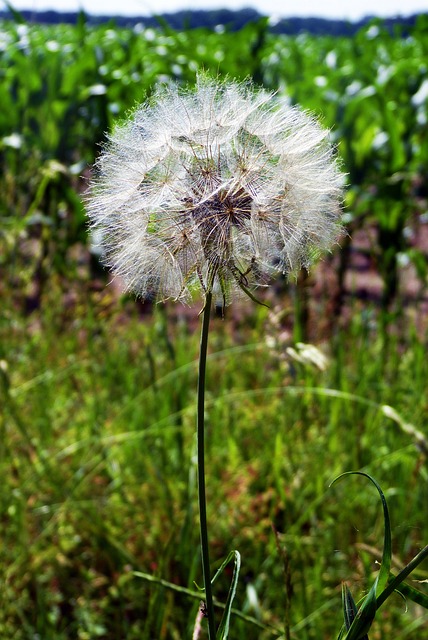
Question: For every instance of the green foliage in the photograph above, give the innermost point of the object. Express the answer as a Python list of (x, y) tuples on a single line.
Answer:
[(223, 630), (99, 484), (63, 87), (98, 497), (358, 620)]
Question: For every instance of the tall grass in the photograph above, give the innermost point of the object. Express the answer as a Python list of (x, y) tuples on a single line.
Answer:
[(99, 472)]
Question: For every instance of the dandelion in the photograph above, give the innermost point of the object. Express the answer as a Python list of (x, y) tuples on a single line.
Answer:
[(216, 189)]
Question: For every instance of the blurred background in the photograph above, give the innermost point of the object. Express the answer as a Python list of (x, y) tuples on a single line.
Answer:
[(97, 418)]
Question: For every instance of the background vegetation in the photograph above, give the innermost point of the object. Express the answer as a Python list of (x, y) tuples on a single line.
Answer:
[(98, 391)]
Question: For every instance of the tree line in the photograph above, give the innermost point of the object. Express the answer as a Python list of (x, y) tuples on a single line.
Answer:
[(211, 19)]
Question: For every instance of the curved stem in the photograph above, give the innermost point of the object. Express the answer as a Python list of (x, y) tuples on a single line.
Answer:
[(201, 467)]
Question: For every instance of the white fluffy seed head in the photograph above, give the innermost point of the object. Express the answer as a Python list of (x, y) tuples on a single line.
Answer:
[(216, 188)]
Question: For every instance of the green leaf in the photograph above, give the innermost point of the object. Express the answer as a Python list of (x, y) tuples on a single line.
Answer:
[(350, 609), (410, 593), (385, 567), (397, 580), (366, 613), (385, 583), (364, 618), (17, 16), (223, 630)]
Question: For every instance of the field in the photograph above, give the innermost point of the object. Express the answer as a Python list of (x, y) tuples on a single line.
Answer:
[(98, 502)]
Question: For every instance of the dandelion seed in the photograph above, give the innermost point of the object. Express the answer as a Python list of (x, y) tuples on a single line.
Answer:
[(217, 188)]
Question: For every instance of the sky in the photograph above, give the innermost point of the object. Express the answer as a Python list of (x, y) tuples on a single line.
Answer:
[(347, 9)]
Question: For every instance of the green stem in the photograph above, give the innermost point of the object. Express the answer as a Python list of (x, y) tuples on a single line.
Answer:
[(201, 467), (395, 583)]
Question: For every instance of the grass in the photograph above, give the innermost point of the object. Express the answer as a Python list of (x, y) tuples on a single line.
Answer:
[(99, 475)]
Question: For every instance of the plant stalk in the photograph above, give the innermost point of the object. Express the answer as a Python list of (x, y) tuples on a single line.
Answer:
[(201, 467), (397, 580)]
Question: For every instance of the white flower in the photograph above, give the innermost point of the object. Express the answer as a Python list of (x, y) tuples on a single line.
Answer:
[(214, 188)]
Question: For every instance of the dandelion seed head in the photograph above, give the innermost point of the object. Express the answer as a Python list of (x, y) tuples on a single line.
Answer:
[(217, 188)]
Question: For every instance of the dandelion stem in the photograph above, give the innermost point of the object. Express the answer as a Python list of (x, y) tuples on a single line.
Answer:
[(201, 466)]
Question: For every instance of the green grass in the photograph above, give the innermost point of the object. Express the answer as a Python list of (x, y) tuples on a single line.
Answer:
[(99, 478)]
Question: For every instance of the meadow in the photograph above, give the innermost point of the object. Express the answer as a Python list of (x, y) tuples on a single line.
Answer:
[(97, 448)]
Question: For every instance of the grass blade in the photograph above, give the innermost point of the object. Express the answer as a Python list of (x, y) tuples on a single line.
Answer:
[(364, 618), (397, 580), (223, 630), (385, 567), (366, 613), (350, 609), (410, 593)]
